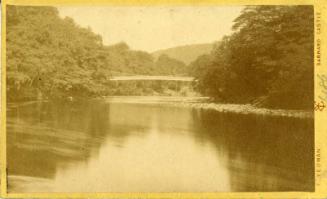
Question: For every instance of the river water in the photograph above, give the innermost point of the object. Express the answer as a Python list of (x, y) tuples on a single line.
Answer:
[(115, 145)]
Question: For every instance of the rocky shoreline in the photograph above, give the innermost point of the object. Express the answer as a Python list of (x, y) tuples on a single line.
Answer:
[(246, 109), (201, 103), (204, 103)]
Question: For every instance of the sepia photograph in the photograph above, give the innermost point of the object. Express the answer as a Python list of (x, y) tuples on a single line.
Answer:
[(160, 99)]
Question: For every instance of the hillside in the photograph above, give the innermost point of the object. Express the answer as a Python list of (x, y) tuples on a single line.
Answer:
[(58, 58), (187, 53)]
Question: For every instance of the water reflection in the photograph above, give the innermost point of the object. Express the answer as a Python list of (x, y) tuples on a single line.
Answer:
[(264, 153), (97, 146)]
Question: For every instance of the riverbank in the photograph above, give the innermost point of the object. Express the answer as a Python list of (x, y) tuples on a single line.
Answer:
[(201, 103), (250, 109), (204, 103)]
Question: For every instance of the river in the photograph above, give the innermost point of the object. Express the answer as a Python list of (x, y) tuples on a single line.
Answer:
[(112, 145)]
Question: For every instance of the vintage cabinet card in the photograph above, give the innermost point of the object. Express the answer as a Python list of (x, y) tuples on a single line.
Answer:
[(164, 99)]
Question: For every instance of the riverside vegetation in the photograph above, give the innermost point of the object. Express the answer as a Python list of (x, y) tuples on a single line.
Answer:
[(71, 130), (53, 57), (267, 61)]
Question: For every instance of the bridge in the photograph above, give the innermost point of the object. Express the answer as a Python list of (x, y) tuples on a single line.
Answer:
[(157, 78)]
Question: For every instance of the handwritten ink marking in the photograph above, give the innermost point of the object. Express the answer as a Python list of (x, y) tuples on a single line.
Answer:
[(323, 87), (320, 106)]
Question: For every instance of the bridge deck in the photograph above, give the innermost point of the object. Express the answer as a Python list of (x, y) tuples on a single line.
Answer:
[(144, 77)]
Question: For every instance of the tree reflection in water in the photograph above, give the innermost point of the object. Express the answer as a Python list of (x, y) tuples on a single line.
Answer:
[(262, 153), (50, 141)]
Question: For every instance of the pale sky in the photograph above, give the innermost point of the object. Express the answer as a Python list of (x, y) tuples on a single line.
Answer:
[(155, 28)]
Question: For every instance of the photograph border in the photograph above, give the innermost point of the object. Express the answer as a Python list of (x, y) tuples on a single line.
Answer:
[(320, 116)]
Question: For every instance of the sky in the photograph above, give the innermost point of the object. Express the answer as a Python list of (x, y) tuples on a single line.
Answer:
[(154, 28)]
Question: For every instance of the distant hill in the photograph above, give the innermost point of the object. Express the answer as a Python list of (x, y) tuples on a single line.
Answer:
[(187, 53)]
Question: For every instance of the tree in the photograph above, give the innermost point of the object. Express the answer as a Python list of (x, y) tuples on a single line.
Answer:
[(51, 56), (269, 56), (166, 65)]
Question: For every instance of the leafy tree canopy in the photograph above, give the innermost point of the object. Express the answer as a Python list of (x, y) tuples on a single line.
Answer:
[(268, 59), (54, 57)]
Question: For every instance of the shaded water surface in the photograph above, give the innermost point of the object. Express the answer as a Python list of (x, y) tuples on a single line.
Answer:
[(107, 146)]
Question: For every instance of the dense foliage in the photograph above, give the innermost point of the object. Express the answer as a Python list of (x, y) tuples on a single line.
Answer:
[(47, 55), (51, 57), (268, 60), (125, 61)]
